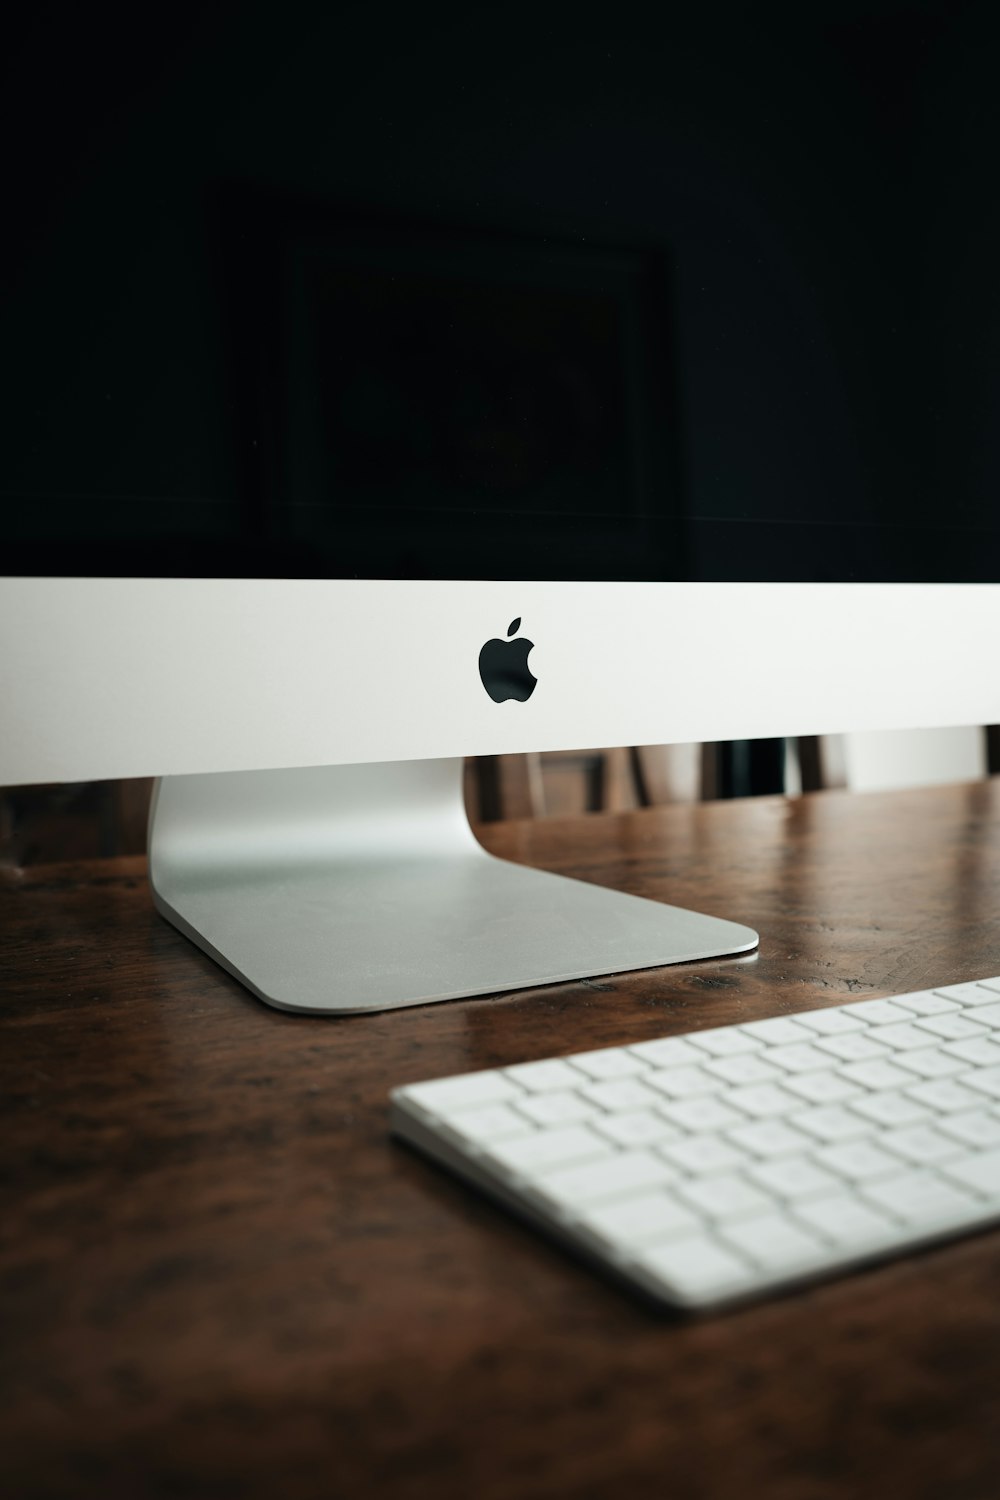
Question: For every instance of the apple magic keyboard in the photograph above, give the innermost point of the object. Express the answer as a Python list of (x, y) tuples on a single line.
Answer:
[(726, 1163)]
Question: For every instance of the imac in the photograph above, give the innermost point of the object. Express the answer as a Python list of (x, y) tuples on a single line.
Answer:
[(295, 432)]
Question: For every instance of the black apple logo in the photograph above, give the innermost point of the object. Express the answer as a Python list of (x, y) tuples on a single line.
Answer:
[(503, 666)]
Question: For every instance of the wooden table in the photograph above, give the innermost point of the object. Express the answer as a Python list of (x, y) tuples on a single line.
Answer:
[(219, 1277)]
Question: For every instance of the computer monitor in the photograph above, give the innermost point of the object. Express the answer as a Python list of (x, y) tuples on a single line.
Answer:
[(306, 443)]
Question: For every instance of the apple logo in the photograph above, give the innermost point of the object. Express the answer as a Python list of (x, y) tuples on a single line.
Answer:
[(503, 666)]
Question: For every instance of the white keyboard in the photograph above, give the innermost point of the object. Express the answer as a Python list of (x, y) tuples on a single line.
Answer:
[(722, 1164)]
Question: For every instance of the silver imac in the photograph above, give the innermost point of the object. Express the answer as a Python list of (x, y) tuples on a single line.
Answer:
[(356, 420)]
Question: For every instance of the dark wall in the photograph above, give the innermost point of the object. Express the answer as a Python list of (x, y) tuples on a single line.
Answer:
[(822, 176)]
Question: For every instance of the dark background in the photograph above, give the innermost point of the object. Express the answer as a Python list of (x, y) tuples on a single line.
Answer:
[(794, 210)]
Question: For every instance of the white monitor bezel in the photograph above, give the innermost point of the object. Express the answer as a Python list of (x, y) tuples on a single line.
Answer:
[(120, 677)]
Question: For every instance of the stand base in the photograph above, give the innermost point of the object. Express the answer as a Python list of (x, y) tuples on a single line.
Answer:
[(347, 889)]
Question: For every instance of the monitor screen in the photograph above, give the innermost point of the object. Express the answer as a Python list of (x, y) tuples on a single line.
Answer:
[(702, 300)]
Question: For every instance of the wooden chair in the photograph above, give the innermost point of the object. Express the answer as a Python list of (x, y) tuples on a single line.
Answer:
[(822, 763), (84, 820), (827, 761), (609, 780), (528, 786)]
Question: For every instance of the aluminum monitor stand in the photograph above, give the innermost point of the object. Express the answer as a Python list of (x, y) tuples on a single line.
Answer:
[(361, 888)]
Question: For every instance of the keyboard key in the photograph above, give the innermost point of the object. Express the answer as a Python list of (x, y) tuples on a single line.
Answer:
[(855, 1046), (977, 1128), (773, 1241), (926, 1003), (639, 1128), (446, 1096), (834, 1122), (798, 1058), (615, 1177), (770, 1138), (726, 1041), (831, 1022), (649, 1217), (980, 1172), (979, 997), (954, 1028), (620, 1093), (822, 1088), (847, 1221), (984, 1081), (667, 1052), (776, 1032), (556, 1109), (980, 1052), (793, 1177), (921, 1144), (707, 1112), (901, 1037), (723, 1197), (703, 1153), (745, 1069), (930, 1063), (547, 1149), (944, 1095), (763, 1099), (607, 1062), (987, 1015), (544, 1077), (920, 1198), (891, 1108), (965, 994), (857, 1160), (877, 1012), (684, 1083), (696, 1267), (875, 1074), (480, 1126)]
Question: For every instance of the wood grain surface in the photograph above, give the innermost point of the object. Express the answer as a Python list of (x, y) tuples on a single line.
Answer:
[(220, 1277)]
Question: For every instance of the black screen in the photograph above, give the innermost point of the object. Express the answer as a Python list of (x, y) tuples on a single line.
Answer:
[(384, 293)]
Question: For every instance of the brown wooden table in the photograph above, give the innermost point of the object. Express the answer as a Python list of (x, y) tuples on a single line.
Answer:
[(221, 1278)]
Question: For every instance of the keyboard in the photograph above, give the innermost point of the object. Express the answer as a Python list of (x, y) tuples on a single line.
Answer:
[(724, 1164)]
